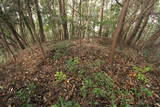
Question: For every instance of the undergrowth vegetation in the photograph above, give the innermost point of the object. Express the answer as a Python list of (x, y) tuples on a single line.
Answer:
[(140, 73), (72, 64), (83, 80), (25, 95), (99, 85), (60, 76)]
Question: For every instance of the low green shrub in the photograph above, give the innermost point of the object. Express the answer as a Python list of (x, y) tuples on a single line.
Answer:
[(60, 76), (25, 95), (72, 64), (142, 92), (140, 73), (98, 92)]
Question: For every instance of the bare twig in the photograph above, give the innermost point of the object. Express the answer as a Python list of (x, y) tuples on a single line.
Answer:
[(119, 3)]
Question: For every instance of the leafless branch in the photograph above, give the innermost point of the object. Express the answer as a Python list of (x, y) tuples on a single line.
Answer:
[(119, 3)]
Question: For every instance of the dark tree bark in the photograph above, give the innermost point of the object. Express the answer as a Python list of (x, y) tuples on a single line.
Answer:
[(42, 35), (119, 3)]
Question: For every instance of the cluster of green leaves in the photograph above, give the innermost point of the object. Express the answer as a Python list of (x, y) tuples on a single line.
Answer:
[(141, 92), (141, 73), (98, 85), (127, 98), (25, 95), (60, 76), (72, 64), (63, 103)]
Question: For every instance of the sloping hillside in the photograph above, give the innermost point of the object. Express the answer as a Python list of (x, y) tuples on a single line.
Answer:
[(78, 73)]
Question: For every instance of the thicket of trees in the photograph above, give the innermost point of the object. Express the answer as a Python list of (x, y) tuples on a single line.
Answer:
[(27, 22)]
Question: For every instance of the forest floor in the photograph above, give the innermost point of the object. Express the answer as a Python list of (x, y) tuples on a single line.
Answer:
[(78, 73)]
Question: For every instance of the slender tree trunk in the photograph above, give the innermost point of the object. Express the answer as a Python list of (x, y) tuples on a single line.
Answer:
[(6, 44), (136, 28), (73, 14), (152, 39), (80, 20), (119, 28), (142, 29), (21, 14), (41, 30), (101, 16), (15, 34), (31, 21), (63, 18)]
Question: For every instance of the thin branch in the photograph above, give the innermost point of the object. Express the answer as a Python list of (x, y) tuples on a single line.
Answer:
[(119, 3)]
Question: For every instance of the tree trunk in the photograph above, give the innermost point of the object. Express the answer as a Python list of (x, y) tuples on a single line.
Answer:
[(41, 30), (152, 39), (21, 14), (31, 20), (101, 16), (63, 18), (11, 28), (119, 28), (6, 44), (135, 30), (149, 4), (73, 15), (142, 29)]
